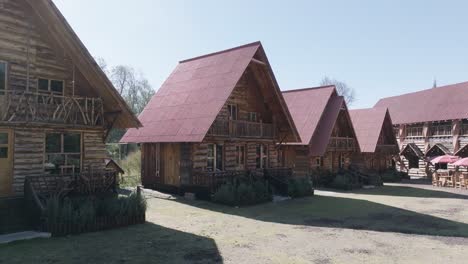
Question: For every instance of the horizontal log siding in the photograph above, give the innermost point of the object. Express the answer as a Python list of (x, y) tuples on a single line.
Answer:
[(28, 156), (94, 151)]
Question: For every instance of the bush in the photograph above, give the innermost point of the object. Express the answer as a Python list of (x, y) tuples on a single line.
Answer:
[(345, 182), (82, 211), (300, 188), (243, 193), (323, 177), (132, 167), (393, 176)]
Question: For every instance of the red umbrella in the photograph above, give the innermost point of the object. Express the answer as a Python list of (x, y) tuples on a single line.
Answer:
[(444, 159), (461, 162)]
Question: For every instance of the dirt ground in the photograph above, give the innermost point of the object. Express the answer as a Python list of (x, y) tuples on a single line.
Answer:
[(248, 240), (395, 224)]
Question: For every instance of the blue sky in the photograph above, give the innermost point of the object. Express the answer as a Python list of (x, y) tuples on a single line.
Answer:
[(380, 48)]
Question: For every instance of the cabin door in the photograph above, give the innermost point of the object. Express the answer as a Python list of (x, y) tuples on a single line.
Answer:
[(6, 162), (171, 162)]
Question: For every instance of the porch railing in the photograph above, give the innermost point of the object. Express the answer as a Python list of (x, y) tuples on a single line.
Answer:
[(342, 144), (213, 180), (23, 106), (242, 129)]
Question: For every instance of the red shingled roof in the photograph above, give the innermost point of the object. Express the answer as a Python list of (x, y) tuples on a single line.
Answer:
[(188, 102), (307, 107), (436, 104), (368, 124)]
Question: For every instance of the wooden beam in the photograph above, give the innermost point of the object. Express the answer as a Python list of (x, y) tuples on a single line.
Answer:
[(258, 62)]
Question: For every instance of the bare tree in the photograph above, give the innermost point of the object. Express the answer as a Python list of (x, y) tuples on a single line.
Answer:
[(342, 88), (132, 86)]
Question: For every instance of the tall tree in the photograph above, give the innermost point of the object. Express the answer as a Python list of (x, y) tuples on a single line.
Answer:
[(132, 86), (342, 88)]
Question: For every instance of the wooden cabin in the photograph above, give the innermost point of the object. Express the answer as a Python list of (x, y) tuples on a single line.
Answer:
[(216, 116), (328, 141), (374, 131), (56, 105), (427, 124)]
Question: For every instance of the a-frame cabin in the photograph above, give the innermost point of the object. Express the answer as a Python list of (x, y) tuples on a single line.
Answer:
[(328, 141), (374, 131), (215, 116), (56, 104)]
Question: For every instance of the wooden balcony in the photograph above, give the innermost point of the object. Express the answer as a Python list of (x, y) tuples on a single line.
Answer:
[(242, 129), (342, 144), (26, 107)]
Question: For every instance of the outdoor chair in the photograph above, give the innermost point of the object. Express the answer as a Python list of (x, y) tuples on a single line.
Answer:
[(435, 179), (450, 182), (458, 179)]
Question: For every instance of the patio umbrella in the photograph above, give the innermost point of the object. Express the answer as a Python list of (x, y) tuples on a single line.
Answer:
[(461, 162), (444, 159)]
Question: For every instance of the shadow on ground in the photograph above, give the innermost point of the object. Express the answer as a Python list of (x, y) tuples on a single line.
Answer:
[(335, 212), (146, 243), (407, 191)]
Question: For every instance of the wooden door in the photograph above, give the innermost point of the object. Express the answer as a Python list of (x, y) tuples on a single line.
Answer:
[(171, 162), (6, 162)]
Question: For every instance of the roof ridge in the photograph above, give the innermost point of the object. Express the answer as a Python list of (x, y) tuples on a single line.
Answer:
[(310, 88), (221, 51), (423, 90)]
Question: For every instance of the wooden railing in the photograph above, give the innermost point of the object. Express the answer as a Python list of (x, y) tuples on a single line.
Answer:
[(29, 107), (212, 180), (82, 183), (242, 129), (342, 144)]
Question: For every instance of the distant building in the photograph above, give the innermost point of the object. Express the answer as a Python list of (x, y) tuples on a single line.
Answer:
[(429, 123), (374, 131)]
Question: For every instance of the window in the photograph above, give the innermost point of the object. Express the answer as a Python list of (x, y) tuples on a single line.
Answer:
[(342, 161), (52, 86), (318, 162), (232, 109), (396, 131), (63, 153), (3, 77), (414, 131), (4, 145), (261, 159), (214, 158), (252, 116), (240, 156), (464, 130), (440, 166), (441, 130)]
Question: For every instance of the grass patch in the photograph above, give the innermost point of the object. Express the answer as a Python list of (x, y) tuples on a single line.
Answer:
[(132, 167)]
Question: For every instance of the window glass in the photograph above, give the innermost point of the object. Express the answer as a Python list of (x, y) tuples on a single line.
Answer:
[(43, 84), (232, 112), (3, 73), (219, 157), (3, 152), (71, 143), (3, 138), (56, 86), (210, 157), (53, 143)]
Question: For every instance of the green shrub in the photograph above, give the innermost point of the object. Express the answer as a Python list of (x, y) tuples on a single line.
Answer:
[(243, 193), (345, 182), (392, 176), (323, 177), (85, 210), (300, 188)]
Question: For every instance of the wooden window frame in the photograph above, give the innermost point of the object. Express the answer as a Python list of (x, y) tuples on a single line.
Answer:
[(319, 162), (6, 76), (414, 131), (341, 161), (251, 115), (262, 164), (240, 156), (441, 130), (230, 107), (215, 156), (49, 84), (62, 148)]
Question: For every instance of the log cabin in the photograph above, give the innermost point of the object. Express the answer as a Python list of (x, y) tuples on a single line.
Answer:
[(374, 132), (328, 141), (216, 116), (427, 124), (56, 104)]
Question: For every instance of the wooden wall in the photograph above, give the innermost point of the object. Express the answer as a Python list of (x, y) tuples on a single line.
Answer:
[(31, 54), (29, 153)]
